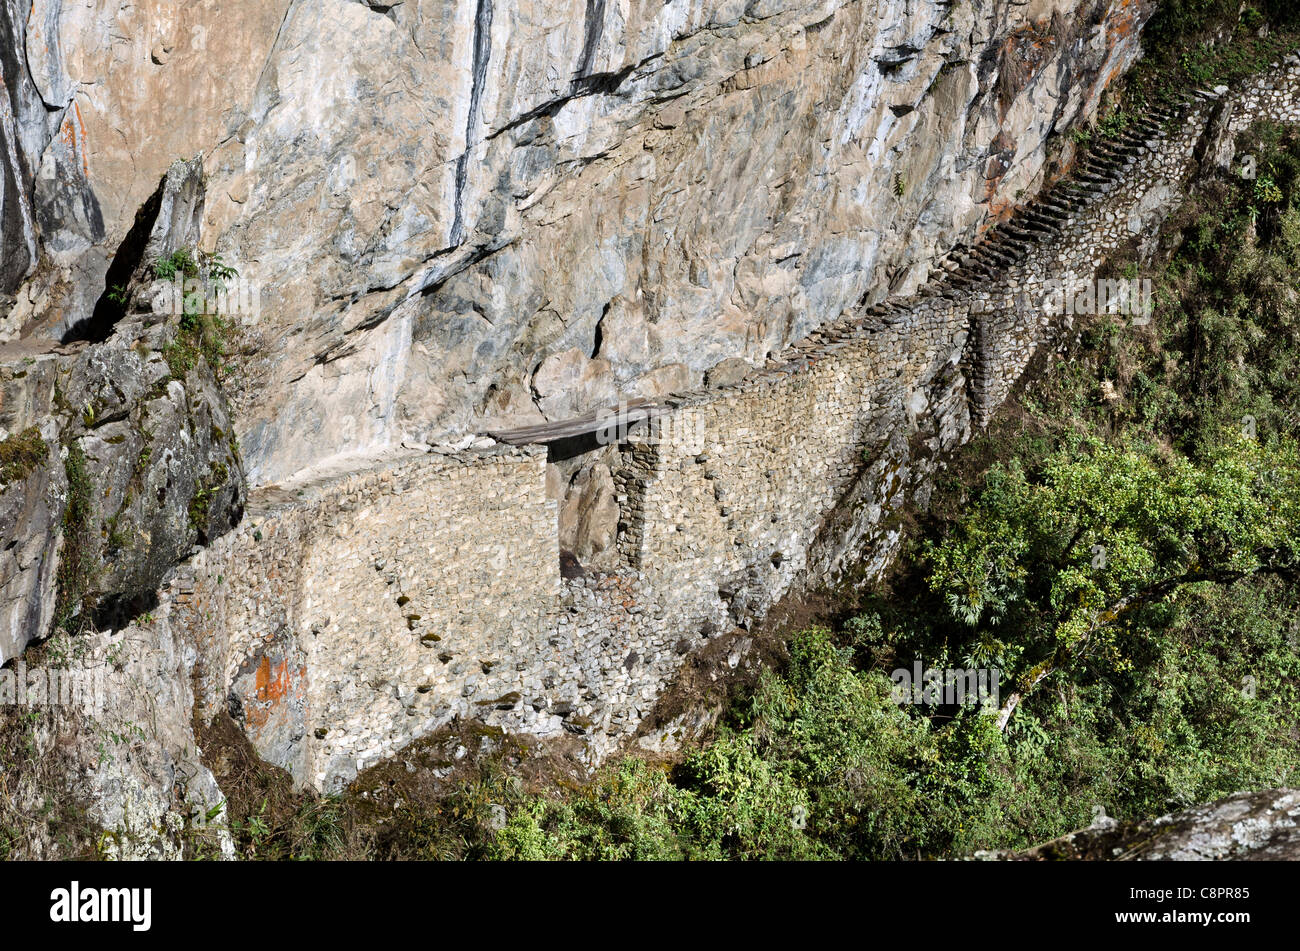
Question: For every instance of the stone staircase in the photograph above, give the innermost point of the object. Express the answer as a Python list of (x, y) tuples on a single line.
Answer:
[(1048, 236)]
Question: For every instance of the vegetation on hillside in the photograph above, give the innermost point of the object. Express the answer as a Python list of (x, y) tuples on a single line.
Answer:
[(1122, 545), (1197, 44), (1203, 43)]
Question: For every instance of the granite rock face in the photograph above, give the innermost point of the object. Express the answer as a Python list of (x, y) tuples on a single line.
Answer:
[(466, 212), (140, 465), (32, 501), (122, 452), (124, 755), (1246, 826)]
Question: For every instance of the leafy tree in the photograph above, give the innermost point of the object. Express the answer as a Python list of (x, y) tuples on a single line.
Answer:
[(1069, 561)]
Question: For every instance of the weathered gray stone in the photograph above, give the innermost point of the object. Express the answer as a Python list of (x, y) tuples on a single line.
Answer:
[(161, 470), (731, 370), (436, 200), (1261, 826)]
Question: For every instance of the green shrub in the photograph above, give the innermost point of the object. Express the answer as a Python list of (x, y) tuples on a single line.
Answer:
[(180, 263), (77, 556), (20, 454)]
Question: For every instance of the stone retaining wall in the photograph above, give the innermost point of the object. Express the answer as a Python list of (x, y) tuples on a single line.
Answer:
[(342, 624)]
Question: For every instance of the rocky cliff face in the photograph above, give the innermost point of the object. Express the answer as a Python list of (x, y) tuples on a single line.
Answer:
[(454, 217), (133, 465), (117, 454), (460, 214)]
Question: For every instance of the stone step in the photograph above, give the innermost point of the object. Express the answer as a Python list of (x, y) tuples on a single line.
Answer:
[(1037, 221), (1092, 168), (1108, 153), (1005, 237), (1047, 205), (981, 269)]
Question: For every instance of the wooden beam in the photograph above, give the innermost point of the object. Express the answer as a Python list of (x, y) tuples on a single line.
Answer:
[(614, 418)]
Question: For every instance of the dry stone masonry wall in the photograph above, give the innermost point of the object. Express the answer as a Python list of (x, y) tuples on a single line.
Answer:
[(348, 617), (404, 581)]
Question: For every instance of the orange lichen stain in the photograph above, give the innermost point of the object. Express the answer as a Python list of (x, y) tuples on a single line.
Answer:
[(1125, 18), (1031, 44), (81, 132), (271, 687), (999, 210), (73, 135)]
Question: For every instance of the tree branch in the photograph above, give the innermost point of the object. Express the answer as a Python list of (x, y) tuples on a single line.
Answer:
[(1107, 616)]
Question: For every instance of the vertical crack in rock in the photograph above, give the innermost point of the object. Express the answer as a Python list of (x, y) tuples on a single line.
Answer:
[(17, 222), (595, 25), (482, 51)]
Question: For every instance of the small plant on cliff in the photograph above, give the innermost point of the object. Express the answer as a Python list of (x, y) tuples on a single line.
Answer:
[(180, 263), (218, 270), (20, 454), (1116, 122), (201, 503), (201, 336), (76, 556), (1266, 190)]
